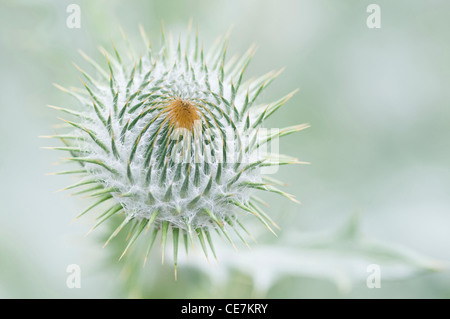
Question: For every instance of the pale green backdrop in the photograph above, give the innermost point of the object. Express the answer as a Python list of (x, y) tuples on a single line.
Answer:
[(379, 146)]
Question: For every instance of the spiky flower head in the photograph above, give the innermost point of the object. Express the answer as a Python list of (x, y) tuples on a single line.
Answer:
[(173, 140)]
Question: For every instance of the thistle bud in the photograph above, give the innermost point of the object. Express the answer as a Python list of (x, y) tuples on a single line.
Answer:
[(173, 140)]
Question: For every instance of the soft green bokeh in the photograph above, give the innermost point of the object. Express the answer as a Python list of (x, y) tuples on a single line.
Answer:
[(377, 100)]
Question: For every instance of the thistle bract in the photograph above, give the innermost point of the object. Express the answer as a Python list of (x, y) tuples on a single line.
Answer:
[(172, 138)]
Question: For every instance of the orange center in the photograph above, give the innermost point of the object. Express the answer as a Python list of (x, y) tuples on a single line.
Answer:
[(182, 114)]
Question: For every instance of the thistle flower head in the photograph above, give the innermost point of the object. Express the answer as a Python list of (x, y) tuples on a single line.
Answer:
[(173, 140)]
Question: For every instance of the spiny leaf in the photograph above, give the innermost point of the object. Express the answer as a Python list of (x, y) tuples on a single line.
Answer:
[(101, 200), (164, 228), (81, 183), (152, 241), (202, 241), (94, 64), (71, 112), (175, 233), (136, 234), (112, 211), (118, 229), (210, 242)]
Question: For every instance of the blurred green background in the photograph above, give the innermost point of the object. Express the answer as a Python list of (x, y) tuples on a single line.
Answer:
[(378, 104)]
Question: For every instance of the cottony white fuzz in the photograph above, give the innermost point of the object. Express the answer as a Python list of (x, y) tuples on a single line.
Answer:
[(172, 139)]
